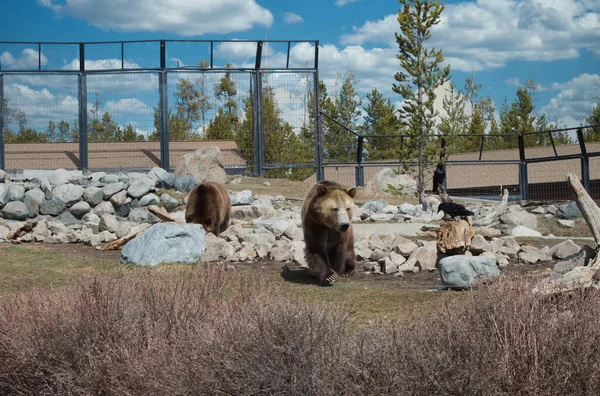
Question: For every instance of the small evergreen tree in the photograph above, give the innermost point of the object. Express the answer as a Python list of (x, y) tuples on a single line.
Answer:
[(420, 75)]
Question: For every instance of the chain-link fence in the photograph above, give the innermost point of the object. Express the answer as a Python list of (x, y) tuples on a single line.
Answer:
[(137, 105)]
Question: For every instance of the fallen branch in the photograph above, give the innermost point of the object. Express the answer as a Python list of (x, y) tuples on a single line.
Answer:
[(487, 220), (589, 210), (24, 229), (119, 243), (162, 214)]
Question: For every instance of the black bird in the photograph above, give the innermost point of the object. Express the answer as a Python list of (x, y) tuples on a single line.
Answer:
[(439, 175), (454, 210)]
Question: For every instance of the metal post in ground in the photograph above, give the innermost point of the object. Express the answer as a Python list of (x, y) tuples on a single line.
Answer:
[(585, 161), (259, 149), (83, 121), (523, 178), (164, 120), (2, 164), (360, 170), (318, 135)]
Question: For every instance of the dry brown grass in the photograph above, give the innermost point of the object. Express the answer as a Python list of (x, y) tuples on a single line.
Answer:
[(205, 331)]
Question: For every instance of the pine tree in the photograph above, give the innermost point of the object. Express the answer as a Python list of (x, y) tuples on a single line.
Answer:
[(224, 125), (593, 134), (379, 119), (454, 121), (421, 73), (340, 144)]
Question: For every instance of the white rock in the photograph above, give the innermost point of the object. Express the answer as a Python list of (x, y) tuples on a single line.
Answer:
[(522, 231)]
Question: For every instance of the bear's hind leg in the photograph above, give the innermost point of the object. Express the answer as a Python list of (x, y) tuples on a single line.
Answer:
[(320, 269)]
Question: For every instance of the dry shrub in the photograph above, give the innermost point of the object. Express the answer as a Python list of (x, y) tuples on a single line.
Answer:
[(209, 332)]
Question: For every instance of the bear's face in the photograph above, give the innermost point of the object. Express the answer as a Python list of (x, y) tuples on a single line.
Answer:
[(335, 207)]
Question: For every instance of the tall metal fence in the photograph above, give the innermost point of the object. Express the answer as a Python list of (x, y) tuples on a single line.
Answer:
[(140, 104), (532, 166)]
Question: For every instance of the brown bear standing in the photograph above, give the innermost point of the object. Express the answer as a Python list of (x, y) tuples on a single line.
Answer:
[(209, 204), (327, 223)]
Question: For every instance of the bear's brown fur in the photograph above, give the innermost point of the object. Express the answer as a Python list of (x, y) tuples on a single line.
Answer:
[(327, 214), (209, 204)]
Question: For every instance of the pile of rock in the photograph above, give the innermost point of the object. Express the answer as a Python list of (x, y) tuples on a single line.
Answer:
[(70, 207)]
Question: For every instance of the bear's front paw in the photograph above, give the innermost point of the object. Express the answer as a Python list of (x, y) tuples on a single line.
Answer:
[(330, 279)]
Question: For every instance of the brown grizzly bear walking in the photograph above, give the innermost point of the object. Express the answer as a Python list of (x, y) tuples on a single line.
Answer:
[(209, 204), (327, 224)]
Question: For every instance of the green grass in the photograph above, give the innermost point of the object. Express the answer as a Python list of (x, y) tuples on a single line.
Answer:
[(26, 267), (551, 226), (367, 298)]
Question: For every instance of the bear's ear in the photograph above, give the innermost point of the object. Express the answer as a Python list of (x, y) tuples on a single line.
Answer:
[(352, 192), (321, 189)]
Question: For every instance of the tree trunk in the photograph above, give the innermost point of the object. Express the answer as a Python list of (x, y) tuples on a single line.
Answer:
[(455, 236), (487, 220), (589, 210)]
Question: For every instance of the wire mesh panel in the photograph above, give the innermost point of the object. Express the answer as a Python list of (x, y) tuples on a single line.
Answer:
[(122, 118), (288, 123), (548, 180), (40, 121), (343, 174), (208, 108), (595, 177), (485, 180)]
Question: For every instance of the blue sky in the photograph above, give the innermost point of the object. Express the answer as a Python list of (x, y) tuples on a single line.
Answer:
[(499, 43)]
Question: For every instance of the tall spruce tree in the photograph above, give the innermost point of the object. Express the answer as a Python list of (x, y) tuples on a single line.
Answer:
[(420, 75), (455, 120), (379, 119), (224, 125)]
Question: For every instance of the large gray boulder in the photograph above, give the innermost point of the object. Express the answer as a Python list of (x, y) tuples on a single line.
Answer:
[(521, 218), (4, 194), (52, 207), (564, 249), (568, 211), (166, 243), (139, 188), (241, 198), (206, 164), (374, 206), (37, 195), (112, 188), (185, 183), (68, 193), (93, 195), (380, 184), (464, 272), (15, 210), (17, 192), (162, 178)]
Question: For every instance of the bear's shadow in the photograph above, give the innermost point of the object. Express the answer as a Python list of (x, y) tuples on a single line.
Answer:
[(299, 275)]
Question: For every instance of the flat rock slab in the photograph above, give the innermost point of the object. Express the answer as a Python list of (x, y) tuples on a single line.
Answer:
[(166, 243), (464, 272)]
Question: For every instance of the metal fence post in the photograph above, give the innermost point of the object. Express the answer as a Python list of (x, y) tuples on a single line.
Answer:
[(360, 170), (259, 149), (523, 178), (83, 111), (2, 163), (585, 161), (164, 120), (318, 136), (83, 121)]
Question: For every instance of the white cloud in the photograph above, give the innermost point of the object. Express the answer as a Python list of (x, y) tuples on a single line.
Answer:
[(41, 105), (486, 34), (514, 82), (575, 100), (29, 59), (127, 106), (291, 17), (341, 3), (187, 18), (236, 50)]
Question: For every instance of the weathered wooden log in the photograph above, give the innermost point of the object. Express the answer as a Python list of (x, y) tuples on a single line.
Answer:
[(119, 243), (589, 210), (162, 214), (498, 210), (455, 236), (24, 229)]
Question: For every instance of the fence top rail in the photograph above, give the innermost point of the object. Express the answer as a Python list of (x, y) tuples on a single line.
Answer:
[(156, 41)]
